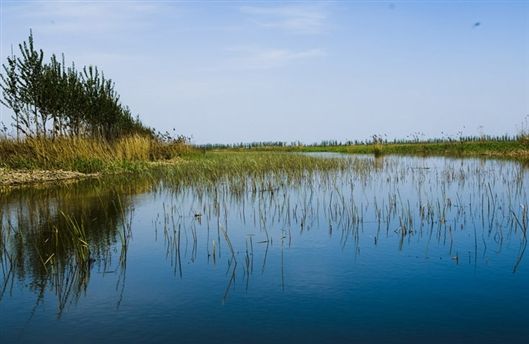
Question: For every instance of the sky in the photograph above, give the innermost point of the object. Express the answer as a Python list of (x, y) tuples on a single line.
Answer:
[(243, 71)]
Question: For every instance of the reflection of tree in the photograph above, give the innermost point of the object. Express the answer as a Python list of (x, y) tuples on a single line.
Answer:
[(54, 237)]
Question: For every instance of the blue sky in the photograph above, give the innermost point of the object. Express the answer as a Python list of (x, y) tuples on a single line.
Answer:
[(230, 71)]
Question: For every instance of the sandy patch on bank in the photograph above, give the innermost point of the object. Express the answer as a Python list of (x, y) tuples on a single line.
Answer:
[(18, 177)]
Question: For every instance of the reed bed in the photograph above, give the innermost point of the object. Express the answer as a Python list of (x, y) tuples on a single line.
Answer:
[(211, 167), (87, 155)]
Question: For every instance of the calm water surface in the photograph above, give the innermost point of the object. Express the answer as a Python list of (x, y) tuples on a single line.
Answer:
[(389, 250)]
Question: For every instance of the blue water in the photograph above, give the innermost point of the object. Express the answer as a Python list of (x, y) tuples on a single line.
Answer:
[(330, 258)]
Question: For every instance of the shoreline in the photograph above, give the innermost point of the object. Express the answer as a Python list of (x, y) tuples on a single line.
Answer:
[(513, 150), (11, 178)]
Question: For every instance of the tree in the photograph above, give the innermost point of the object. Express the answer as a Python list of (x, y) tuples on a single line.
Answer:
[(10, 91), (77, 103)]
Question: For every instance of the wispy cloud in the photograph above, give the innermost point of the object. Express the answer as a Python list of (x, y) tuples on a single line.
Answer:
[(84, 17), (259, 58), (301, 19)]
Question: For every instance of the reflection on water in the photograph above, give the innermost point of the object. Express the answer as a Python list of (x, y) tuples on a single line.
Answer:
[(352, 243), (53, 238)]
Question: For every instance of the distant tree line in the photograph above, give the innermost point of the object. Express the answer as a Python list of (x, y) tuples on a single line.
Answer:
[(376, 139), (50, 99)]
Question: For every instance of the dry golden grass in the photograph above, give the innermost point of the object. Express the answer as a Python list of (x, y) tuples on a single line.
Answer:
[(86, 154), (133, 148)]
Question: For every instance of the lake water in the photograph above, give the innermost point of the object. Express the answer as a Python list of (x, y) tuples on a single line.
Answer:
[(392, 250)]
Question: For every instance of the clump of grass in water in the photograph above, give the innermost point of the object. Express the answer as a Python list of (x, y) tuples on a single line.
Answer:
[(377, 146), (71, 235), (237, 167)]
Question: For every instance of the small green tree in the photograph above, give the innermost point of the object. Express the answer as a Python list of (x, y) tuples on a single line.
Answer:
[(77, 103), (30, 69)]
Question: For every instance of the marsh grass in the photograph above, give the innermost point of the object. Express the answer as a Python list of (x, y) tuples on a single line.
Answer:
[(236, 167), (87, 155)]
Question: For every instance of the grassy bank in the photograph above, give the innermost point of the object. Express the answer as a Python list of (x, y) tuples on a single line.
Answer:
[(87, 155)]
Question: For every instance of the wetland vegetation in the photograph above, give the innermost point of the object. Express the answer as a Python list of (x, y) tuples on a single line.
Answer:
[(510, 147)]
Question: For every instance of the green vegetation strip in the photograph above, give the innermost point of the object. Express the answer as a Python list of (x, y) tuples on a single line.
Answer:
[(514, 149)]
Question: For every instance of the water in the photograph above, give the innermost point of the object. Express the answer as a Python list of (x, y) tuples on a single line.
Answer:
[(390, 250)]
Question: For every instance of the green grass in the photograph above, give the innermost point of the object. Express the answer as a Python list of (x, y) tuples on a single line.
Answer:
[(212, 166)]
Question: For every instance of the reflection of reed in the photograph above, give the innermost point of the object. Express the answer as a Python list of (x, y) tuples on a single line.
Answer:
[(522, 223), (53, 238), (409, 204)]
